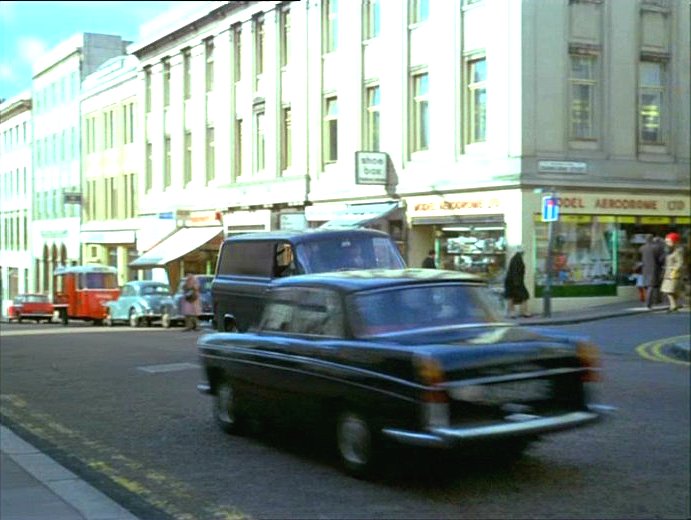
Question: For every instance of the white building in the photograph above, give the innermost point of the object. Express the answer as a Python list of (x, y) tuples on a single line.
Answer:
[(111, 160), (16, 265), (57, 151), (259, 110)]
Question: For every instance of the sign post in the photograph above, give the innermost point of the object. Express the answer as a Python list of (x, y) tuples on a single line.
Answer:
[(550, 214)]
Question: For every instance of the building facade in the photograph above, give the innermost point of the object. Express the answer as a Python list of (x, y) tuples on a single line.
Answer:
[(57, 149), (444, 124), (16, 267), (460, 116), (111, 162)]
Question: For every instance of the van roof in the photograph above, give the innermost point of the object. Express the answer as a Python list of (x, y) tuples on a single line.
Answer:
[(82, 269), (306, 236)]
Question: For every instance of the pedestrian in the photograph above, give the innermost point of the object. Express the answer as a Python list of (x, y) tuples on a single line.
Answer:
[(652, 262), (428, 262), (191, 304), (674, 268), (515, 290), (637, 277)]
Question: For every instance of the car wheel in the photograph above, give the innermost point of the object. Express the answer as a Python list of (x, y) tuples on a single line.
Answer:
[(166, 321), (134, 319), (108, 321), (356, 444), (226, 409), (19, 318)]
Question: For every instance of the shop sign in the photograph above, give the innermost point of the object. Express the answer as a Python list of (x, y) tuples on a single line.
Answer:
[(371, 168), (636, 205), (456, 204), (72, 198)]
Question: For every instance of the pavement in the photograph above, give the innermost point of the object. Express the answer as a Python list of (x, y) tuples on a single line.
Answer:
[(35, 487)]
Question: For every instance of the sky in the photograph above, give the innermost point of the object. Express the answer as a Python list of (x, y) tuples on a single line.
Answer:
[(30, 28)]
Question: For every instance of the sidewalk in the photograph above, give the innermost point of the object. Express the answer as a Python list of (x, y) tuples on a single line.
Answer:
[(34, 487)]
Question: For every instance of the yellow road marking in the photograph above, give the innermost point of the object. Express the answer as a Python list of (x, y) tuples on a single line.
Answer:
[(652, 350), (151, 485)]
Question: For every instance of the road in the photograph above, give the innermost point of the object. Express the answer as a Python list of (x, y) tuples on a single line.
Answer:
[(120, 408)]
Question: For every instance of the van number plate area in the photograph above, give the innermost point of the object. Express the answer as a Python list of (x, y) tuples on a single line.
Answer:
[(500, 393)]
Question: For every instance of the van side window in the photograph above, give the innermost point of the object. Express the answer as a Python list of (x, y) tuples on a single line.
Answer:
[(252, 257)]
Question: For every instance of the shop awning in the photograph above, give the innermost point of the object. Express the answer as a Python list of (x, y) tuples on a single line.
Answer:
[(359, 215), (181, 242)]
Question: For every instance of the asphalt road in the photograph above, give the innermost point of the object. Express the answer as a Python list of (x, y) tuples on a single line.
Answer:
[(120, 407)]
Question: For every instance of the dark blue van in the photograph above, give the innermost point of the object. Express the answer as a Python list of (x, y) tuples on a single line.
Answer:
[(248, 262)]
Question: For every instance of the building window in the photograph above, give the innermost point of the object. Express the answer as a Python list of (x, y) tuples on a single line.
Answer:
[(114, 213), (187, 73), (476, 106), (129, 133), (651, 99), (420, 130), (109, 129), (131, 195), (210, 154), (259, 38), (330, 25), (583, 80), (371, 17), (419, 11), (187, 167), (286, 138), (260, 157), (285, 37), (372, 118), (237, 53), (166, 82), (238, 148), (149, 172), (147, 89), (331, 129), (209, 53), (167, 162)]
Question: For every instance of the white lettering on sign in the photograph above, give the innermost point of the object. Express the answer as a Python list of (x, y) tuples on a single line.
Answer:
[(371, 168)]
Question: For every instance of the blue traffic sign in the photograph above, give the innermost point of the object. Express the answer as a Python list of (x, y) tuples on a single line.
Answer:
[(550, 209)]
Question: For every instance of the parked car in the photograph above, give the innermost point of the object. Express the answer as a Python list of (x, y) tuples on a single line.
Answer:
[(414, 356), (31, 306), (248, 262), (141, 303), (204, 295)]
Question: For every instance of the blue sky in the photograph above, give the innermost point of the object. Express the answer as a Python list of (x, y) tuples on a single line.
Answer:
[(28, 29)]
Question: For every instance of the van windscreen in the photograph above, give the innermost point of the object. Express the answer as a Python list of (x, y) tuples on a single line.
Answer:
[(339, 254)]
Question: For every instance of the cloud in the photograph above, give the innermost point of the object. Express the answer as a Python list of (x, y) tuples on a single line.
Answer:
[(30, 48)]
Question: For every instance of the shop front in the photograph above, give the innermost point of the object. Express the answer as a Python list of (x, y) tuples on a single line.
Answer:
[(469, 232), (191, 247), (596, 240)]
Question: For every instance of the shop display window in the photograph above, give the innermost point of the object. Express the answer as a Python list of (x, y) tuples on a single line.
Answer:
[(474, 250), (584, 256)]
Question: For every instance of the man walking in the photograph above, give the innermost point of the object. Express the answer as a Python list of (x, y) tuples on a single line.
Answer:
[(652, 264)]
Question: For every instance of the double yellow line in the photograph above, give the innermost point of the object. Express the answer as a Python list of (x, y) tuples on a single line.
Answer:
[(155, 488), (652, 351)]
